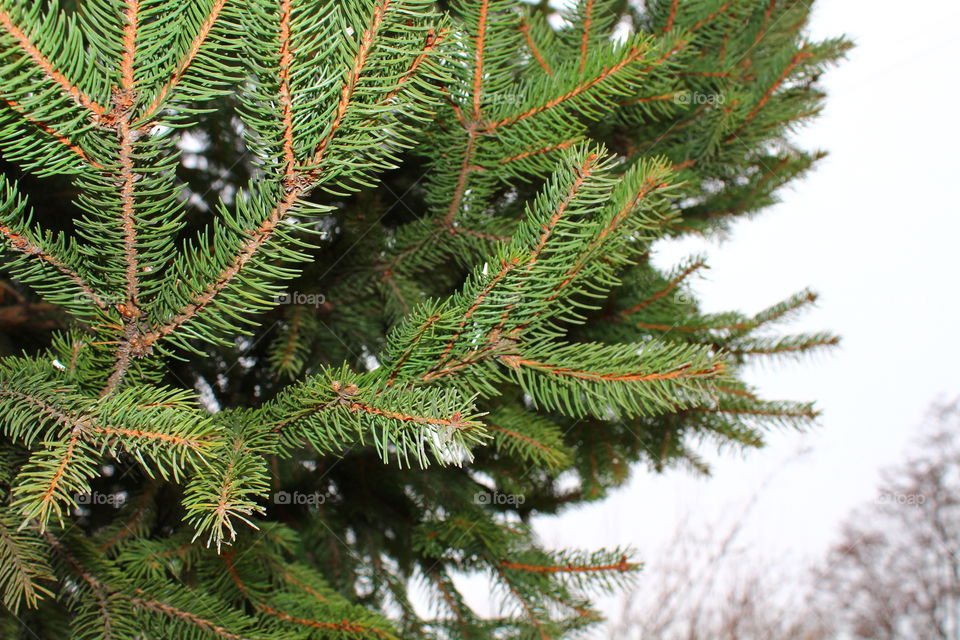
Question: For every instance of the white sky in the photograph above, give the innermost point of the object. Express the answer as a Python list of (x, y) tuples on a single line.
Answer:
[(874, 230)]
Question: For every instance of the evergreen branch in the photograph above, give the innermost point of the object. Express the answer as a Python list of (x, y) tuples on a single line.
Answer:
[(515, 288), (473, 357), (344, 399), (525, 29), (771, 6), (289, 358), (322, 166), (505, 269), (797, 58), (566, 144), (441, 579), (52, 132), (58, 474), (621, 566), (671, 16), (49, 263), (229, 491), (184, 65), (54, 477), (478, 57), (225, 278), (465, 168), (76, 428), (472, 125), (808, 414), (192, 443), (427, 324), (739, 326), (434, 39), (43, 408), (343, 625), (582, 172), (128, 219), (353, 76), (121, 364), (682, 372), (783, 346), (585, 37), (128, 59), (285, 98), (609, 230), (666, 290), (785, 309), (23, 565), (546, 451), (712, 16), (122, 114), (565, 569), (634, 54), (580, 379), (338, 409), (538, 625), (98, 589), (23, 244), (142, 601), (171, 603), (455, 421), (51, 72)]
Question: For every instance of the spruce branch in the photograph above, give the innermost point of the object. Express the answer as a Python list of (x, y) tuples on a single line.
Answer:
[(62, 139), (188, 60), (44, 63), (497, 330), (49, 262), (25, 571)]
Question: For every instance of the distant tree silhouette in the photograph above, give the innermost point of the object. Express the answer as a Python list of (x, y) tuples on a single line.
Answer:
[(896, 572)]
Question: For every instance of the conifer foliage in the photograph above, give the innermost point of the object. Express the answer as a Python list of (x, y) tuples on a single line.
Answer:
[(312, 304)]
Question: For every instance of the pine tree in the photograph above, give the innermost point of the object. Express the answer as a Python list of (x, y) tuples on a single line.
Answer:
[(312, 304)]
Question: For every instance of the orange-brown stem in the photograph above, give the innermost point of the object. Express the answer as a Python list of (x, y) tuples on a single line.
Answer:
[(47, 66), (525, 29), (187, 59), (585, 36), (19, 243), (623, 565)]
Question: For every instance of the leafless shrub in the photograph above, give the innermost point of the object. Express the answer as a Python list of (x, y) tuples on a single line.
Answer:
[(894, 574)]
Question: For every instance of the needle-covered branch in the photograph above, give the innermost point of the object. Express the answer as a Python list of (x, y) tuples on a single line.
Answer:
[(337, 294)]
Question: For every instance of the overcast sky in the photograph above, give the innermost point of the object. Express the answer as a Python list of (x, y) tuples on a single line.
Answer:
[(875, 231)]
